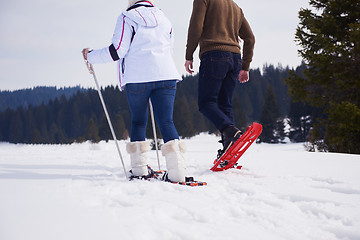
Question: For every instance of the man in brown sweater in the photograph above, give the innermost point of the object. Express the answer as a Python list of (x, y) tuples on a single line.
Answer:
[(218, 26)]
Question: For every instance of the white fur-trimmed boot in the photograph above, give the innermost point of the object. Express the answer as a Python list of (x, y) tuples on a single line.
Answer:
[(173, 151), (138, 157)]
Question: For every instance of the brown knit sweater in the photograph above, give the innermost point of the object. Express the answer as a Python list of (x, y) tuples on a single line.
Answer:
[(217, 25)]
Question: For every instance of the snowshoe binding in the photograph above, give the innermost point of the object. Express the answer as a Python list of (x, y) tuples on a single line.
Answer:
[(152, 174), (189, 181)]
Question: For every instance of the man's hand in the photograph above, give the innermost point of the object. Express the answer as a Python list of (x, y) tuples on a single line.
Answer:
[(243, 76), (189, 66)]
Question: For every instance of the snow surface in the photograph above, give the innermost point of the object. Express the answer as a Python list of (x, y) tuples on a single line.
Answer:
[(79, 192)]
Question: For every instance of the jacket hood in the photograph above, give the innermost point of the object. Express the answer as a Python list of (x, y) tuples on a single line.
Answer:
[(144, 16)]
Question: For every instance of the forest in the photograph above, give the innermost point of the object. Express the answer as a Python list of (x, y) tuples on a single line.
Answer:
[(46, 115)]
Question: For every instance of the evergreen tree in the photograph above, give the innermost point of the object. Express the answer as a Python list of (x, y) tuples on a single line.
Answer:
[(92, 132), (240, 117), (301, 116), (183, 118), (279, 133), (247, 105), (36, 137), (275, 77), (329, 37), (270, 119), (200, 123), (75, 129), (104, 130), (56, 135), (343, 137), (300, 122), (119, 127), (2, 123), (16, 126), (6, 123), (44, 133)]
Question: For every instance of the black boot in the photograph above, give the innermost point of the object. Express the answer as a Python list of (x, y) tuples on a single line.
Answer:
[(229, 135)]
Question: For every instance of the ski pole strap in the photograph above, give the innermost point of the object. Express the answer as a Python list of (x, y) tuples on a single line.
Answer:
[(89, 67)]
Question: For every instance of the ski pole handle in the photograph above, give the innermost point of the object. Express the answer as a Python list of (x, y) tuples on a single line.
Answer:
[(84, 52)]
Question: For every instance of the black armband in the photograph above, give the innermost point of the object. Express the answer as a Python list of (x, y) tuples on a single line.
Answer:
[(113, 53)]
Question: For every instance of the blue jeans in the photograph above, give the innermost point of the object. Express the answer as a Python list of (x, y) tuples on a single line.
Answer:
[(218, 74), (162, 94)]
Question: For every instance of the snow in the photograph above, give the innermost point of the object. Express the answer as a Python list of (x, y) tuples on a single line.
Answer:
[(79, 191)]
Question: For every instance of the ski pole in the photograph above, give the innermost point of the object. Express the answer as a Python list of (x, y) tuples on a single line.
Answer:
[(154, 131), (92, 72)]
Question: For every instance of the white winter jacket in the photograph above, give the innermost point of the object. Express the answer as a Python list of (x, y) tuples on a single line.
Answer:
[(142, 45)]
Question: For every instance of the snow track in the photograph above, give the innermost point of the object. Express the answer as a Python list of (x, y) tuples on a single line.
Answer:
[(79, 191)]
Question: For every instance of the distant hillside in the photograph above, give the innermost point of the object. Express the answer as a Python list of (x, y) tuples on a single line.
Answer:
[(33, 96)]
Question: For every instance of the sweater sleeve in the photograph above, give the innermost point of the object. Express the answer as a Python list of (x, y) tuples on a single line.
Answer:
[(248, 37), (119, 47), (195, 27)]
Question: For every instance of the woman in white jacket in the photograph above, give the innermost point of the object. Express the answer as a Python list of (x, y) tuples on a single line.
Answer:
[(142, 46)]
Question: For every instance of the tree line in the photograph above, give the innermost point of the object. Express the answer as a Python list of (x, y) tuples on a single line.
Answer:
[(79, 116), (34, 96)]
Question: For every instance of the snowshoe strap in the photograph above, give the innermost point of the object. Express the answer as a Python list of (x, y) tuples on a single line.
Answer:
[(189, 181), (151, 174)]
